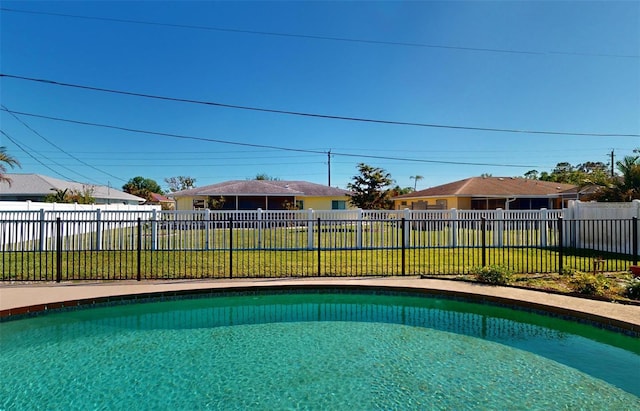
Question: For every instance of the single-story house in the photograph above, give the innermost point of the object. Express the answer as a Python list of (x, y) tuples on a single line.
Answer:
[(490, 193), (163, 201), (35, 187), (264, 194)]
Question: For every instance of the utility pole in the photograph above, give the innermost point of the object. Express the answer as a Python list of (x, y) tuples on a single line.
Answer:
[(329, 167), (612, 157)]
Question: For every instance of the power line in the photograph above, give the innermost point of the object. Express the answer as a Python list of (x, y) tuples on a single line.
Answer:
[(132, 130), (32, 156), (317, 37), (59, 148), (314, 115), (211, 140)]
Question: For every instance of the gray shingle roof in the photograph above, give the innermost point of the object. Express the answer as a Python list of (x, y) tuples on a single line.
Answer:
[(263, 187), (41, 185)]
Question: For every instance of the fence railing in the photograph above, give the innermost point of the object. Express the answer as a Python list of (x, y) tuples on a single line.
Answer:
[(216, 248), (95, 221)]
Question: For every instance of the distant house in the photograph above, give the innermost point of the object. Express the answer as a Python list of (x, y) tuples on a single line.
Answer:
[(35, 187), (163, 201), (264, 194), (490, 193)]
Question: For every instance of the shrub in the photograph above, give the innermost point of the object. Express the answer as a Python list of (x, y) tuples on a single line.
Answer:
[(493, 274), (590, 284), (633, 289), (569, 272)]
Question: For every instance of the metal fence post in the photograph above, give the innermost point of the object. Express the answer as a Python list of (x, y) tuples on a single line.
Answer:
[(139, 247), (634, 240), (359, 229), (98, 245), (483, 226), (58, 250), (560, 244), (230, 246), (404, 246), (154, 230), (43, 231)]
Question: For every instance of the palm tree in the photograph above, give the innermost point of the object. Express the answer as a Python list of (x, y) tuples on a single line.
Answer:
[(415, 179), (8, 160), (630, 184), (623, 188)]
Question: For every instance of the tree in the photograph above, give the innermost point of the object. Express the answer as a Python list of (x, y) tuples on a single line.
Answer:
[(216, 204), (595, 176), (82, 197), (142, 187), (398, 191), (180, 183), (265, 177), (59, 196), (415, 179), (74, 196), (627, 187), (621, 188), (585, 174), (6, 160), (370, 189)]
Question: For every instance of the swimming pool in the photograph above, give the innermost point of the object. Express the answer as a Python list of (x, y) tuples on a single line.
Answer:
[(314, 350)]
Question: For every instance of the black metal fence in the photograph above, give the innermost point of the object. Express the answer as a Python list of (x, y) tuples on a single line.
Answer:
[(65, 250)]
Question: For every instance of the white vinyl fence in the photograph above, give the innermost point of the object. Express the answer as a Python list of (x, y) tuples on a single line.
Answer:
[(81, 221), (110, 228), (604, 224), (603, 227)]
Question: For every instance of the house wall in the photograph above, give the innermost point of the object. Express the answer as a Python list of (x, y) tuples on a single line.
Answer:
[(186, 203), (323, 203), (461, 203)]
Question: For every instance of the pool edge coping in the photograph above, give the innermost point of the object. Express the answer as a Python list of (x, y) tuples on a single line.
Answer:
[(122, 292)]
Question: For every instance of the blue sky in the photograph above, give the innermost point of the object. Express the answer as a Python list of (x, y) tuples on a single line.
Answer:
[(569, 67)]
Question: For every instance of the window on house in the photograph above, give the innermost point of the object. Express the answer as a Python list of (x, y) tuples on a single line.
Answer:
[(300, 204), (198, 203), (338, 205)]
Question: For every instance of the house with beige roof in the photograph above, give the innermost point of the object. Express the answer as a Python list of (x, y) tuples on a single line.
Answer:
[(263, 194), (490, 193)]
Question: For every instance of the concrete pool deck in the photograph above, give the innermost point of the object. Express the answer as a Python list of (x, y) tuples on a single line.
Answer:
[(20, 299)]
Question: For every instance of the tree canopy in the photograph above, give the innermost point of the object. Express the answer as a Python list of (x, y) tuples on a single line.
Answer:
[(180, 183), (580, 175), (370, 188), (142, 187), (84, 196), (265, 177), (624, 186)]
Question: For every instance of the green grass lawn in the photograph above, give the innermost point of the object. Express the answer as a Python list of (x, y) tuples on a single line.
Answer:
[(94, 265)]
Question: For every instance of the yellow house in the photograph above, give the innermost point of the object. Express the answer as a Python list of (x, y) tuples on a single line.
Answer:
[(490, 193), (264, 194)]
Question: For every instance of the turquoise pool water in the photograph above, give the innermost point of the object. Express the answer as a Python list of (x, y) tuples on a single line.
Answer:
[(314, 351)]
